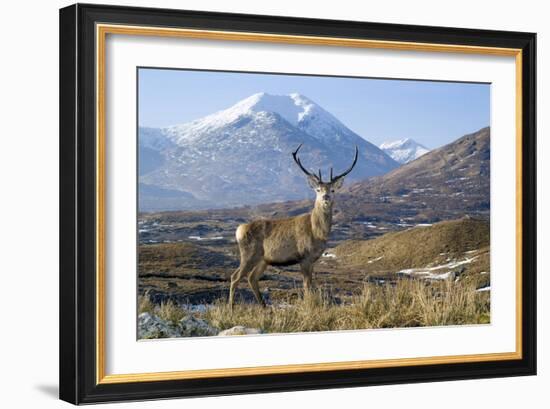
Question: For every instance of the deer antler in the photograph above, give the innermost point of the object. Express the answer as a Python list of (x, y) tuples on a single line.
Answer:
[(334, 179), (299, 163)]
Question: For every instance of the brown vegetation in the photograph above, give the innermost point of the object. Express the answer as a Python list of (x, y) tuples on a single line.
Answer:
[(408, 303), (417, 247)]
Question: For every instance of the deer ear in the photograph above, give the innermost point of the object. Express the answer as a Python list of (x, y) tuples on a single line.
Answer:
[(338, 183), (313, 182)]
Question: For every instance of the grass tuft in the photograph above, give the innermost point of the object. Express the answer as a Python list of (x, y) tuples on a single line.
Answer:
[(167, 310), (170, 311), (145, 304)]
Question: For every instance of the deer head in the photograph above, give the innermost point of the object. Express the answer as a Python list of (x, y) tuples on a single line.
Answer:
[(324, 191)]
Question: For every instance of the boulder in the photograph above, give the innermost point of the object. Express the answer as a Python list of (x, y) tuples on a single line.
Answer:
[(151, 327), (195, 327), (240, 330)]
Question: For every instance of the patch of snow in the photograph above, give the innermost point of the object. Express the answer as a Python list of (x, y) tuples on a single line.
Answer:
[(428, 272), (453, 264), (443, 276), (200, 238), (239, 330), (483, 289)]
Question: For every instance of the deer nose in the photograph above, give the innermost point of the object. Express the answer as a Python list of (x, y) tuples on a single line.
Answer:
[(326, 197)]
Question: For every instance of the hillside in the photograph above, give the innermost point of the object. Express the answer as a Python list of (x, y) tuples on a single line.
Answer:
[(417, 247), (446, 183), (459, 166)]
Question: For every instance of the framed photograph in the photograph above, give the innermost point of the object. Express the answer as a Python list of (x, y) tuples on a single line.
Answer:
[(257, 203)]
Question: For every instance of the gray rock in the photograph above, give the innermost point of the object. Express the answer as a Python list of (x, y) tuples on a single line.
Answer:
[(240, 330), (151, 327), (195, 327)]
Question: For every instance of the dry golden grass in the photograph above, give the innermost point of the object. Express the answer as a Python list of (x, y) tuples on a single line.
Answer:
[(145, 304), (409, 303), (417, 247), (167, 310)]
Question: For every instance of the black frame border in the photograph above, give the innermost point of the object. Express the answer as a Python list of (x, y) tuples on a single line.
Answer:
[(78, 197)]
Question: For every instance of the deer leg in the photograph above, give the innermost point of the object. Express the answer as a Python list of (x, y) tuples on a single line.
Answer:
[(239, 273), (307, 272), (253, 279), (235, 278)]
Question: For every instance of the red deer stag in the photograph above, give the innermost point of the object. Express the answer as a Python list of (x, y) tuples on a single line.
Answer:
[(283, 242)]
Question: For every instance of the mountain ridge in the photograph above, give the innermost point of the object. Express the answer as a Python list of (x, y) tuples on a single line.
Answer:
[(445, 183), (242, 155)]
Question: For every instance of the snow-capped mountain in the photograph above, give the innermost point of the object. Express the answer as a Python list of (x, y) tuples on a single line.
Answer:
[(404, 150), (242, 155)]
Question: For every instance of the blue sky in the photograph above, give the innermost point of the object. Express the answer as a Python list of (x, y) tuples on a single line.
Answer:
[(432, 113)]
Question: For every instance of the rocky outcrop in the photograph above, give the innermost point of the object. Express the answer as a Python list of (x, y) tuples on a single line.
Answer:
[(195, 327), (152, 327)]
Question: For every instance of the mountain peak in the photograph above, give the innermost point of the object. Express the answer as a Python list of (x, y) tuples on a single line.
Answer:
[(295, 108), (290, 107), (404, 150), (398, 143)]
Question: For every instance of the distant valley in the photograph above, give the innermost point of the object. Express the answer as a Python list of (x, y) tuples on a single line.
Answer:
[(447, 183)]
